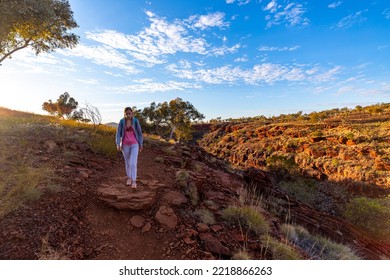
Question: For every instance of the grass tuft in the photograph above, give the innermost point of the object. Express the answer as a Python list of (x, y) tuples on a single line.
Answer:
[(248, 217), (318, 247)]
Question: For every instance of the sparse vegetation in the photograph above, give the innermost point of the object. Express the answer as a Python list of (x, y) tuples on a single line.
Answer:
[(317, 247), (23, 179), (183, 179), (205, 216), (372, 215), (47, 251), (276, 250), (304, 190), (247, 217), (241, 255)]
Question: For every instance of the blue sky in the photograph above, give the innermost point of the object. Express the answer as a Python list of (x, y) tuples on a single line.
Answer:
[(229, 58)]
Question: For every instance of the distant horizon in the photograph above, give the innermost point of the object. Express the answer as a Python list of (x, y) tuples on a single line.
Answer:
[(43, 113), (228, 58)]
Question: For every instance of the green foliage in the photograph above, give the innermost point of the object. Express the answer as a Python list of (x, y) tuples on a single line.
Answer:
[(170, 119), (275, 162), (276, 250), (372, 215), (350, 136), (301, 189), (375, 109), (317, 247), (64, 106), (248, 217), (42, 25)]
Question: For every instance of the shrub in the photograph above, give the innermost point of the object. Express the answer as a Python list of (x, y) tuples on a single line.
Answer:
[(102, 144), (372, 215), (303, 190), (205, 216), (279, 162), (20, 185), (241, 255), (248, 217), (277, 250), (317, 247), (183, 179)]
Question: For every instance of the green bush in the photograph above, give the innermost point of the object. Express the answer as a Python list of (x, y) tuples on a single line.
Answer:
[(303, 190), (247, 217), (372, 215), (277, 162)]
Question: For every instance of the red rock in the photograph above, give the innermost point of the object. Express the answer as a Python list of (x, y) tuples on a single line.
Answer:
[(167, 217)]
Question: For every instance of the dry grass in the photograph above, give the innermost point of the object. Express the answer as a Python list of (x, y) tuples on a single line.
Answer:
[(241, 255), (248, 217), (277, 250), (205, 216), (318, 247), (22, 173), (47, 252)]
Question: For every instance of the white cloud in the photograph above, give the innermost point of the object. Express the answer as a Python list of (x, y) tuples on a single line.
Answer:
[(218, 51), (271, 49), (267, 73), (148, 86), (289, 13), (89, 81), (102, 55), (239, 2), (334, 5), (350, 20), (327, 75), (44, 63), (210, 20), (152, 45), (242, 59), (272, 6)]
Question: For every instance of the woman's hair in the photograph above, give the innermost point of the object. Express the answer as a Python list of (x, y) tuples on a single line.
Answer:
[(128, 109)]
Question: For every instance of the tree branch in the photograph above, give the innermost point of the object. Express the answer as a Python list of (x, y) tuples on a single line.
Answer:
[(14, 50)]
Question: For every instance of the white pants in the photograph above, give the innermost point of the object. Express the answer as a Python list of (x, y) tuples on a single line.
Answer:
[(130, 154)]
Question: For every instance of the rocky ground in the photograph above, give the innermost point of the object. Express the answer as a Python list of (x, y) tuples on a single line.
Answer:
[(93, 215)]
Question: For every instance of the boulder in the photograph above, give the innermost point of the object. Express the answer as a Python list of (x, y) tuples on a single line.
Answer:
[(213, 245), (166, 217), (175, 198), (123, 197)]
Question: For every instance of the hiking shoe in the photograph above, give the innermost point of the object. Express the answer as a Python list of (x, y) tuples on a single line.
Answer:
[(128, 183), (134, 185)]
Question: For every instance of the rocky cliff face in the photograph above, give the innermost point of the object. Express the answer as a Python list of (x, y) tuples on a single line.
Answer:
[(355, 155)]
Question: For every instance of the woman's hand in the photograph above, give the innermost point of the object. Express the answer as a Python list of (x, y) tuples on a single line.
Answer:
[(141, 148), (119, 148)]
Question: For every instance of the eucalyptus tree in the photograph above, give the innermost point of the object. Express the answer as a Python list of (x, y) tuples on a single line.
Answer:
[(43, 25)]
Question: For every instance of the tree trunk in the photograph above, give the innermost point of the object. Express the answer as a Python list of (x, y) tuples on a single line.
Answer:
[(172, 131)]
